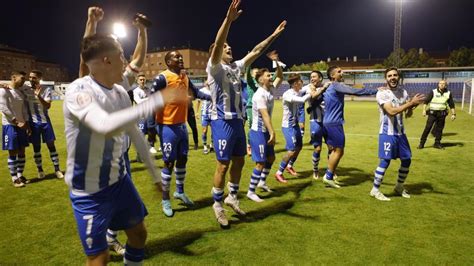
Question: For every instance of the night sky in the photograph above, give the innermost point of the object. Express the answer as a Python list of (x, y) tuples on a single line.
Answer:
[(51, 30)]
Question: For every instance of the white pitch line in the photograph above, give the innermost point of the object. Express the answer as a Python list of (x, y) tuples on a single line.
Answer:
[(444, 140)]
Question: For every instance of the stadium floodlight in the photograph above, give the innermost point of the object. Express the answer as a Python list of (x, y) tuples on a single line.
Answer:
[(119, 30), (397, 31)]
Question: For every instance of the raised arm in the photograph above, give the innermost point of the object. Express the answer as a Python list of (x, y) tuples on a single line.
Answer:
[(261, 47), (273, 55), (232, 14), (251, 83), (94, 15), (139, 54)]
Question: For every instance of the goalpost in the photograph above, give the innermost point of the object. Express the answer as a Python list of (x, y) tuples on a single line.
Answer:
[(467, 95)]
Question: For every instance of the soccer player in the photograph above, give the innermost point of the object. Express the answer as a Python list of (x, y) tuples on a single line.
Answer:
[(38, 101), (262, 134), (226, 114), (94, 15), (205, 106), (333, 119), (97, 114), (15, 126), (291, 131), (393, 142), (250, 89), (172, 130), (146, 124), (316, 112)]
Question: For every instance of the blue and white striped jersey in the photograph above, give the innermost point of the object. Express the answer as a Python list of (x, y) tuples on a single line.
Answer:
[(291, 105), (391, 125), (37, 112), (226, 90), (262, 99), (94, 161), (205, 105), (315, 105)]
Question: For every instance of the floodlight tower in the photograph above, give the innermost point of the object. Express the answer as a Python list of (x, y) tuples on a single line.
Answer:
[(397, 31)]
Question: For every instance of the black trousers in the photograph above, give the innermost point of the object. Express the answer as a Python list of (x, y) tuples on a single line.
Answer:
[(436, 119), (192, 125)]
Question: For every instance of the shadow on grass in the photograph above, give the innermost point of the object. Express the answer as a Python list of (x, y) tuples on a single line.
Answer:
[(198, 204), (47, 177), (447, 134), (421, 188), (178, 243), (452, 144), (418, 189), (351, 176)]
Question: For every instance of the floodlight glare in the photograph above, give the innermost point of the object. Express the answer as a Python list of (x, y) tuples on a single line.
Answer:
[(119, 30)]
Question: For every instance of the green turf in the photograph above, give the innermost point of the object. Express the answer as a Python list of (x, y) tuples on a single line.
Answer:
[(300, 223)]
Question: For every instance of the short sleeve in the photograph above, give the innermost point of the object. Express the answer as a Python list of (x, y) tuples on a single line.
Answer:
[(159, 83), (213, 69), (240, 64), (383, 97), (261, 102), (287, 97), (79, 101)]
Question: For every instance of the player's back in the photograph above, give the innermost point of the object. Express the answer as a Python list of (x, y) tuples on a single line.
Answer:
[(94, 161)]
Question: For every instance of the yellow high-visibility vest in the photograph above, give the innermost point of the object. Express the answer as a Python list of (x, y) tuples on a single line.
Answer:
[(439, 101)]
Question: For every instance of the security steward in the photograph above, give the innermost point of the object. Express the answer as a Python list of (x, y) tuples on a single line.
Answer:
[(439, 100)]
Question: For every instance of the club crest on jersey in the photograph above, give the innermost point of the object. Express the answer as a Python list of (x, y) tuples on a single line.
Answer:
[(83, 99)]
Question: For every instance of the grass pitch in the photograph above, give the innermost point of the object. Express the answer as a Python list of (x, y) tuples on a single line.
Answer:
[(300, 223)]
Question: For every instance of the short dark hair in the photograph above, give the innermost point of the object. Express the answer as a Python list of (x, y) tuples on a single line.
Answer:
[(260, 73), (390, 69), (330, 70), (319, 73), (18, 72), (294, 77), (168, 56), (37, 72), (96, 45)]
